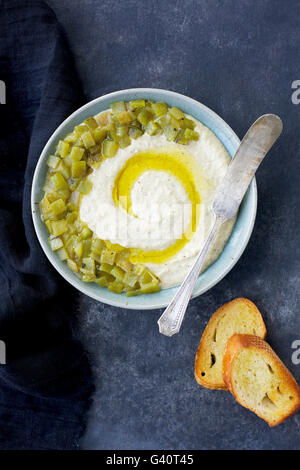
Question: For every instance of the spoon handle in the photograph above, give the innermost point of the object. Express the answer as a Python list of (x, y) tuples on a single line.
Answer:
[(170, 321)]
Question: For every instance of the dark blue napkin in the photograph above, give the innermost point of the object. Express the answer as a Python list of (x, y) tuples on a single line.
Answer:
[(46, 383)]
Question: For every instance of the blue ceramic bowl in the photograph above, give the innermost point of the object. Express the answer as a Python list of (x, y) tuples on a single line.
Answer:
[(235, 245)]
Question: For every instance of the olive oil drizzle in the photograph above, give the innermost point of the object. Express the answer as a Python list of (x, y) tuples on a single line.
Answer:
[(182, 166)]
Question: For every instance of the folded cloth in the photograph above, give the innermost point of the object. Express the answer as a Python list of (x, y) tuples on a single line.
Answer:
[(46, 382)]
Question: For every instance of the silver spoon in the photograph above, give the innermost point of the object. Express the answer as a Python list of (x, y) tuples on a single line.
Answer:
[(254, 147)]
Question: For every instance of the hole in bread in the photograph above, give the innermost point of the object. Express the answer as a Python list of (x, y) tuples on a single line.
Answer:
[(213, 359), (270, 369), (215, 335), (278, 390), (203, 374), (267, 402), (291, 398)]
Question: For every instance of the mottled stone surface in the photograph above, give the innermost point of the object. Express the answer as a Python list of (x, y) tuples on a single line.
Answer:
[(240, 59)]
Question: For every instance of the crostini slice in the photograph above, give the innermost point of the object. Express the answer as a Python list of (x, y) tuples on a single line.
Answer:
[(238, 316), (259, 380)]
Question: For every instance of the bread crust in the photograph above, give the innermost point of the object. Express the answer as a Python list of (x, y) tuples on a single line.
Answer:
[(239, 342), (214, 320)]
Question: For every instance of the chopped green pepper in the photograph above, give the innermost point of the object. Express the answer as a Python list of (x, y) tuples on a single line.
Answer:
[(110, 148)]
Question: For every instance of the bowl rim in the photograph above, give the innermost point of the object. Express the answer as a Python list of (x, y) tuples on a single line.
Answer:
[(121, 301)]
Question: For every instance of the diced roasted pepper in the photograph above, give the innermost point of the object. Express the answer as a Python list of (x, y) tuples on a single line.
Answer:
[(71, 206), (100, 135), (78, 249), (118, 107), (56, 243), (187, 123), (64, 170), (148, 277), (118, 273), (91, 123), (97, 245), (134, 104), (180, 137), (45, 205), (139, 269), (71, 217), (160, 108), (103, 118), (176, 113), (106, 268), (71, 138), (163, 121), (76, 153), (59, 227), (73, 183), (86, 247), (108, 256), (116, 286), (170, 132), (87, 139), (53, 161), (122, 130), (130, 279), (63, 194), (88, 264), (189, 134), (113, 246), (78, 169), (85, 233), (125, 117), (48, 225), (102, 281), (124, 141), (110, 148), (150, 288), (144, 116), (95, 150), (63, 148), (112, 133), (87, 276), (62, 253), (79, 130), (72, 265), (85, 186), (48, 186), (135, 132), (95, 257), (58, 207), (59, 181), (151, 128)]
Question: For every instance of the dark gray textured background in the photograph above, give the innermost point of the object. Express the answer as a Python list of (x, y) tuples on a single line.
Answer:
[(240, 59)]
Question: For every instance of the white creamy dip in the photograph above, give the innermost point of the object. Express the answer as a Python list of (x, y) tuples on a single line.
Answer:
[(161, 208)]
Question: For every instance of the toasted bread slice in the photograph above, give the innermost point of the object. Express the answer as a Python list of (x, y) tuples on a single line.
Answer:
[(238, 316), (259, 380)]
